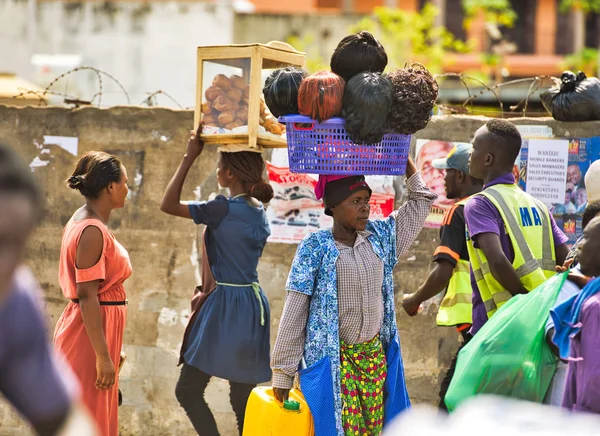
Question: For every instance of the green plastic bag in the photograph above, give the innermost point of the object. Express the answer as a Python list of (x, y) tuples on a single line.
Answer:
[(509, 356)]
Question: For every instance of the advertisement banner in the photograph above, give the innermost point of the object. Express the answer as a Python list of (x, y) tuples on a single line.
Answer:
[(295, 212)]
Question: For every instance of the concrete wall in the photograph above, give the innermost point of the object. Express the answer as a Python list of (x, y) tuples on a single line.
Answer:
[(163, 252), (147, 46)]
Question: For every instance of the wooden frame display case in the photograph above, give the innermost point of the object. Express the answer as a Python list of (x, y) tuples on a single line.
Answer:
[(229, 98)]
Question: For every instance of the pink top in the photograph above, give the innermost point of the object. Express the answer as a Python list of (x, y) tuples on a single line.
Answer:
[(113, 268)]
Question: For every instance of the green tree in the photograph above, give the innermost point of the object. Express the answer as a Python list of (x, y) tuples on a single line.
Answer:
[(587, 6), (579, 9), (498, 12), (412, 36), (585, 60)]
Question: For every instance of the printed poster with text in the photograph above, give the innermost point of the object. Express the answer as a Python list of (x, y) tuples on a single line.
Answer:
[(428, 149), (547, 164), (568, 203), (295, 212)]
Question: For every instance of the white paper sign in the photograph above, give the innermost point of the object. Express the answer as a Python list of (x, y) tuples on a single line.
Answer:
[(535, 131), (547, 170), (68, 143)]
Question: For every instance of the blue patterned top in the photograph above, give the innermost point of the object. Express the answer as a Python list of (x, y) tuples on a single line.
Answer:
[(314, 273)]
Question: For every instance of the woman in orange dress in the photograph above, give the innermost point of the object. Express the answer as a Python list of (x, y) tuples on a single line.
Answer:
[(93, 267)]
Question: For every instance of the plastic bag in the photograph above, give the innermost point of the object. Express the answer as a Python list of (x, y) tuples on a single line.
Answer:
[(509, 356), (576, 99)]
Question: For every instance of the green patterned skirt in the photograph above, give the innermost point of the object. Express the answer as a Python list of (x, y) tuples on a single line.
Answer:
[(363, 372)]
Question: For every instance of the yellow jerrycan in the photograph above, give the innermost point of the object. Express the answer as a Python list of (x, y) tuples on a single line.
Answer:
[(265, 416)]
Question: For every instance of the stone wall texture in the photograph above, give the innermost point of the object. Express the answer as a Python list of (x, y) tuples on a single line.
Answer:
[(164, 252)]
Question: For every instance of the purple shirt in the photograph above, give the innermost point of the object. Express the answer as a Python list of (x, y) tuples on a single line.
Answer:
[(482, 216), (582, 390), (30, 377)]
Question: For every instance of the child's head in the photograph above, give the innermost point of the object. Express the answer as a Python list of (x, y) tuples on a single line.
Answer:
[(281, 90), (247, 168), (414, 92), (358, 53), (320, 95), (21, 202), (367, 101)]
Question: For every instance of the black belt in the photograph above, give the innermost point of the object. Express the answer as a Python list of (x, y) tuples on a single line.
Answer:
[(105, 303)]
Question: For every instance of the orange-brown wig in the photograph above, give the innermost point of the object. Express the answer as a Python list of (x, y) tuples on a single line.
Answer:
[(320, 96)]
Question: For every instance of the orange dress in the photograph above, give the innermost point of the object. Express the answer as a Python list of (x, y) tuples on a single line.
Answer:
[(70, 336)]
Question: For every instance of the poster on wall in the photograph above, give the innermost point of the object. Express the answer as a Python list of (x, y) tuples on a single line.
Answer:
[(295, 212), (426, 151), (567, 210), (547, 164)]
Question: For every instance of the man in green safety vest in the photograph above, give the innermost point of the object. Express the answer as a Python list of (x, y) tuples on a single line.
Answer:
[(451, 270), (514, 243)]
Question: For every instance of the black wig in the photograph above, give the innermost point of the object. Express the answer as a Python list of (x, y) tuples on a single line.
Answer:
[(358, 53), (414, 93), (281, 90), (367, 101)]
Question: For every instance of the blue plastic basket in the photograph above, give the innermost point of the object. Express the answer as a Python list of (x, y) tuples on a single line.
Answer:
[(326, 148)]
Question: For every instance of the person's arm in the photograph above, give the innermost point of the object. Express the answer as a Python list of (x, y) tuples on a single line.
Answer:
[(588, 363), (290, 342), (569, 289), (32, 378), (561, 252), (435, 283), (410, 217), (171, 201), (446, 256), (501, 269), (289, 345), (90, 255)]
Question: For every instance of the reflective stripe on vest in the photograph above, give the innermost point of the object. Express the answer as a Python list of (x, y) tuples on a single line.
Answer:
[(456, 308), (527, 223)]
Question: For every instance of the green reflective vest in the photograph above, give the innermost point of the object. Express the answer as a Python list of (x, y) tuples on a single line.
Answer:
[(527, 223)]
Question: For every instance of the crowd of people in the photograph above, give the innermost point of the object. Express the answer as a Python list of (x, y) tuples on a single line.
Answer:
[(496, 242), (337, 340), (337, 334)]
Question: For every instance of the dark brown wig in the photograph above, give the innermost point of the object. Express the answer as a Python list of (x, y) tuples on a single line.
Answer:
[(414, 93)]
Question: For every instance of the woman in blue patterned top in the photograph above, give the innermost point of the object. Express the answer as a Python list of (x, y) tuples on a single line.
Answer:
[(339, 318), (229, 336)]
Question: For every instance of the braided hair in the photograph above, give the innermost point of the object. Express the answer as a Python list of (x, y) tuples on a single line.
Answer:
[(248, 167)]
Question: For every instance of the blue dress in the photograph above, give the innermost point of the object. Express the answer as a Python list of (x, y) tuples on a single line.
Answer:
[(230, 337)]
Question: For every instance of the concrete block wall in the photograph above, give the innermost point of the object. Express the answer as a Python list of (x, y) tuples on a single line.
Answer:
[(164, 253)]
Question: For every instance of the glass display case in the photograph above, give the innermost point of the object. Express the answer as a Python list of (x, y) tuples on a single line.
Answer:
[(229, 99)]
